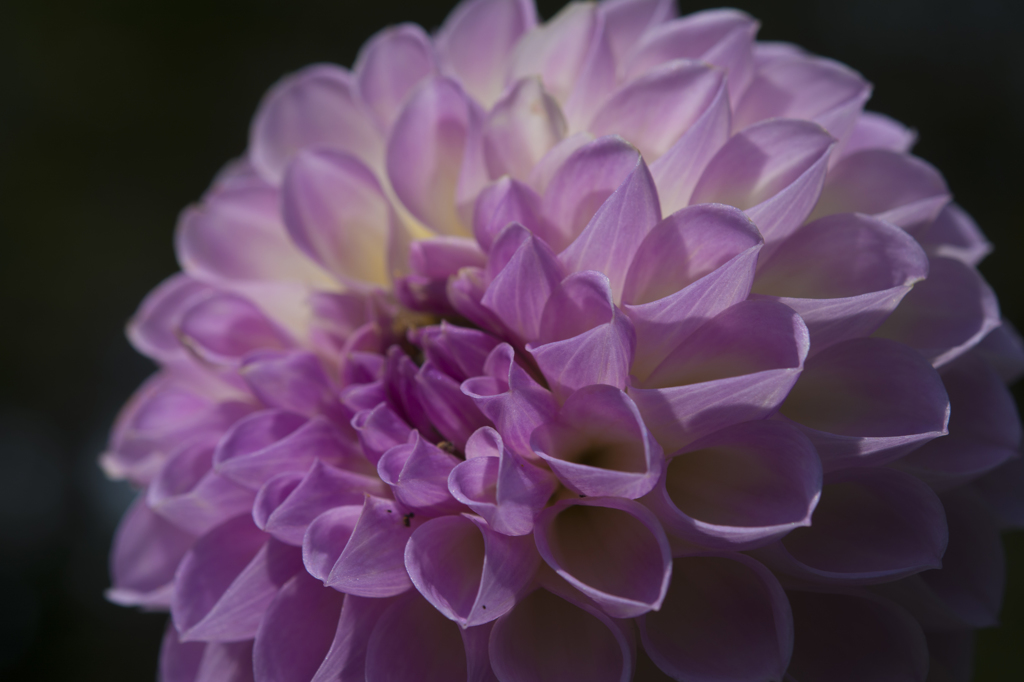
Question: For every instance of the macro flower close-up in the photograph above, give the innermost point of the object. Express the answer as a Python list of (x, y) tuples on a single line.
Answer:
[(616, 346)]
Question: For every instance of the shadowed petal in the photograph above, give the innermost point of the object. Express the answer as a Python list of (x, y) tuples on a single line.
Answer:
[(179, 661), (418, 475), (898, 188), (871, 525), (1002, 491), (346, 659), (741, 487), (867, 401), (844, 274), (146, 553), (847, 638), (945, 315), (316, 106), (613, 550), (296, 631), (380, 429), (550, 639), (954, 234), (226, 662), (453, 414), (724, 619), (458, 351), (413, 642), (469, 572), (295, 382)]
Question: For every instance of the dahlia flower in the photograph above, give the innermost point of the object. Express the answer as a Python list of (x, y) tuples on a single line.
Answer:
[(618, 347)]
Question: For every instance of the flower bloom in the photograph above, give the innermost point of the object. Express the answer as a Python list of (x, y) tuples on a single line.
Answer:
[(616, 347)]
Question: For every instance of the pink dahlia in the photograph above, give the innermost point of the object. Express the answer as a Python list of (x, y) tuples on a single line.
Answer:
[(616, 347)]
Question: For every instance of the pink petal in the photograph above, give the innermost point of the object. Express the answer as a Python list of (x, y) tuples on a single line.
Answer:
[(153, 328), (611, 549), (317, 106), (413, 642), (389, 66), (337, 214), (226, 662), (469, 572), (418, 475), (372, 563), (225, 327), (867, 401), (346, 659), (954, 234), (521, 128), (628, 20), (506, 201), (724, 618), (872, 525), (741, 487), (296, 631), (877, 131), (556, 50), (179, 661), (475, 42)]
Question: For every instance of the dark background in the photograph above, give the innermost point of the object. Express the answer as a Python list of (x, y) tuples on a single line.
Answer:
[(115, 114)]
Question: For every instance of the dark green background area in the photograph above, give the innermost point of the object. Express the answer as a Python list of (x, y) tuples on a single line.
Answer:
[(114, 115)]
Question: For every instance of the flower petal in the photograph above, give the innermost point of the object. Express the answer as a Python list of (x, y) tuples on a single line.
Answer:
[(550, 639), (867, 401), (773, 170), (475, 42), (418, 475), (413, 642), (469, 572), (844, 274), (848, 638), (389, 66), (346, 659), (521, 128), (871, 525), (724, 618), (954, 234), (337, 214), (372, 564), (741, 487), (611, 549), (316, 106), (628, 20), (556, 50), (877, 131), (296, 631)]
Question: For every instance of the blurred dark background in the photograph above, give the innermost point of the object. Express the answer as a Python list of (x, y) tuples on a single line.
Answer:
[(115, 114)]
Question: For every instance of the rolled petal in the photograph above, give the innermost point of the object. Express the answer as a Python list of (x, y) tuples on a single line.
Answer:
[(844, 274), (945, 315), (153, 328), (742, 487), (418, 475), (323, 488), (871, 525), (389, 66), (146, 553), (295, 382), (475, 42), (897, 188), (774, 171), (469, 572), (693, 265), (867, 401), (847, 638), (720, 375), (238, 235), (453, 413), (611, 549), (954, 234), (460, 352), (224, 327), (653, 111), (499, 485), (519, 292), (413, 642), (372, 563), (877, 131), (984, 429), (810, 88), (549, 639), (598, 445), (521, 128), (317, 106), (380, 429), (346, 659), (296, 631), (226, 581), (337, 214), (425, 153), (325, 539), (724, 618), (251, 455), (613, 235), (586, 339), (722, 37), (582, 183)]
